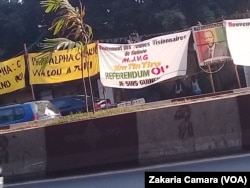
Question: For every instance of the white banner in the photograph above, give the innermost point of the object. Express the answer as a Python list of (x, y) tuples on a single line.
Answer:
[(238, 39), (144, 63)]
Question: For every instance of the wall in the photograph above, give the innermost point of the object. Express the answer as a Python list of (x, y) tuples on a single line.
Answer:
[(177, 131), (23, 152), (104, 142), (190, 128), (244, 105)]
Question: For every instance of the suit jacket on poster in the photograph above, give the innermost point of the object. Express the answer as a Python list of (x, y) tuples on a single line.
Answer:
[(219, 50)]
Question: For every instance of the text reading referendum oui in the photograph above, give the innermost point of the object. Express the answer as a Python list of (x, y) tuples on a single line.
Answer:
[(198, 180)]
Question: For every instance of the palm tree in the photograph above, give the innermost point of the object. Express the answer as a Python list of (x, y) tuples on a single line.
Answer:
[(72, 33)]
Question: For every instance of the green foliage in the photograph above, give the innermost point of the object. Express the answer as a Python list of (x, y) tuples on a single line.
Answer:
[(174, 18), (69, 26), (54, 5), (12, 29), (55, 44), (109, 18), (69, 18), (51, 45), (60, 43)]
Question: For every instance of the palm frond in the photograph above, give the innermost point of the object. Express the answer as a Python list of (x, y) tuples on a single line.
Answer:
[(54, 5), (65, 11), (43, 58), (49, 46), (70, 23), (69, 18)]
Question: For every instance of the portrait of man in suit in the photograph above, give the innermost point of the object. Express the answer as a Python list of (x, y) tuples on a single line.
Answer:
[(213, 49)]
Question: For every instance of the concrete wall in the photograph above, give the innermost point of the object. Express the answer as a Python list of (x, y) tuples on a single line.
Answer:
[(88, 144), (129, 140), (23, 152), (244, 111), (204, 126)]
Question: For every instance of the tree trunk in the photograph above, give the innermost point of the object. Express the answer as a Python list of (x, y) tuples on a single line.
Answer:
[(83, 53), (90, 84)]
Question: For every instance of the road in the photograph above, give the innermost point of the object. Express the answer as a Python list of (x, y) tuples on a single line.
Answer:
[(134, 178)]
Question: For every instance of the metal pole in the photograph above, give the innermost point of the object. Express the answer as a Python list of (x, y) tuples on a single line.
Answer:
[(237, 75), (211, 78), (26, 58)]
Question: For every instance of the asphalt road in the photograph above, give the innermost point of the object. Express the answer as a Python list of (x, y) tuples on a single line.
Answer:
[(134, 178)]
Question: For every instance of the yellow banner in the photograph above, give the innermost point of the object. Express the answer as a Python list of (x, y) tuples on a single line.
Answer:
[(64, 66), (12, 75)]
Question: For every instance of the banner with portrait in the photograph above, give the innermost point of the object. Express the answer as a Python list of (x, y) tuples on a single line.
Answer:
[(238, 37), (141, 64), (12, 75), (210, 43), (65, 65)]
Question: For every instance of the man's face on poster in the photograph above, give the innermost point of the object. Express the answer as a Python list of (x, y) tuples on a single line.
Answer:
[(209, 38)]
